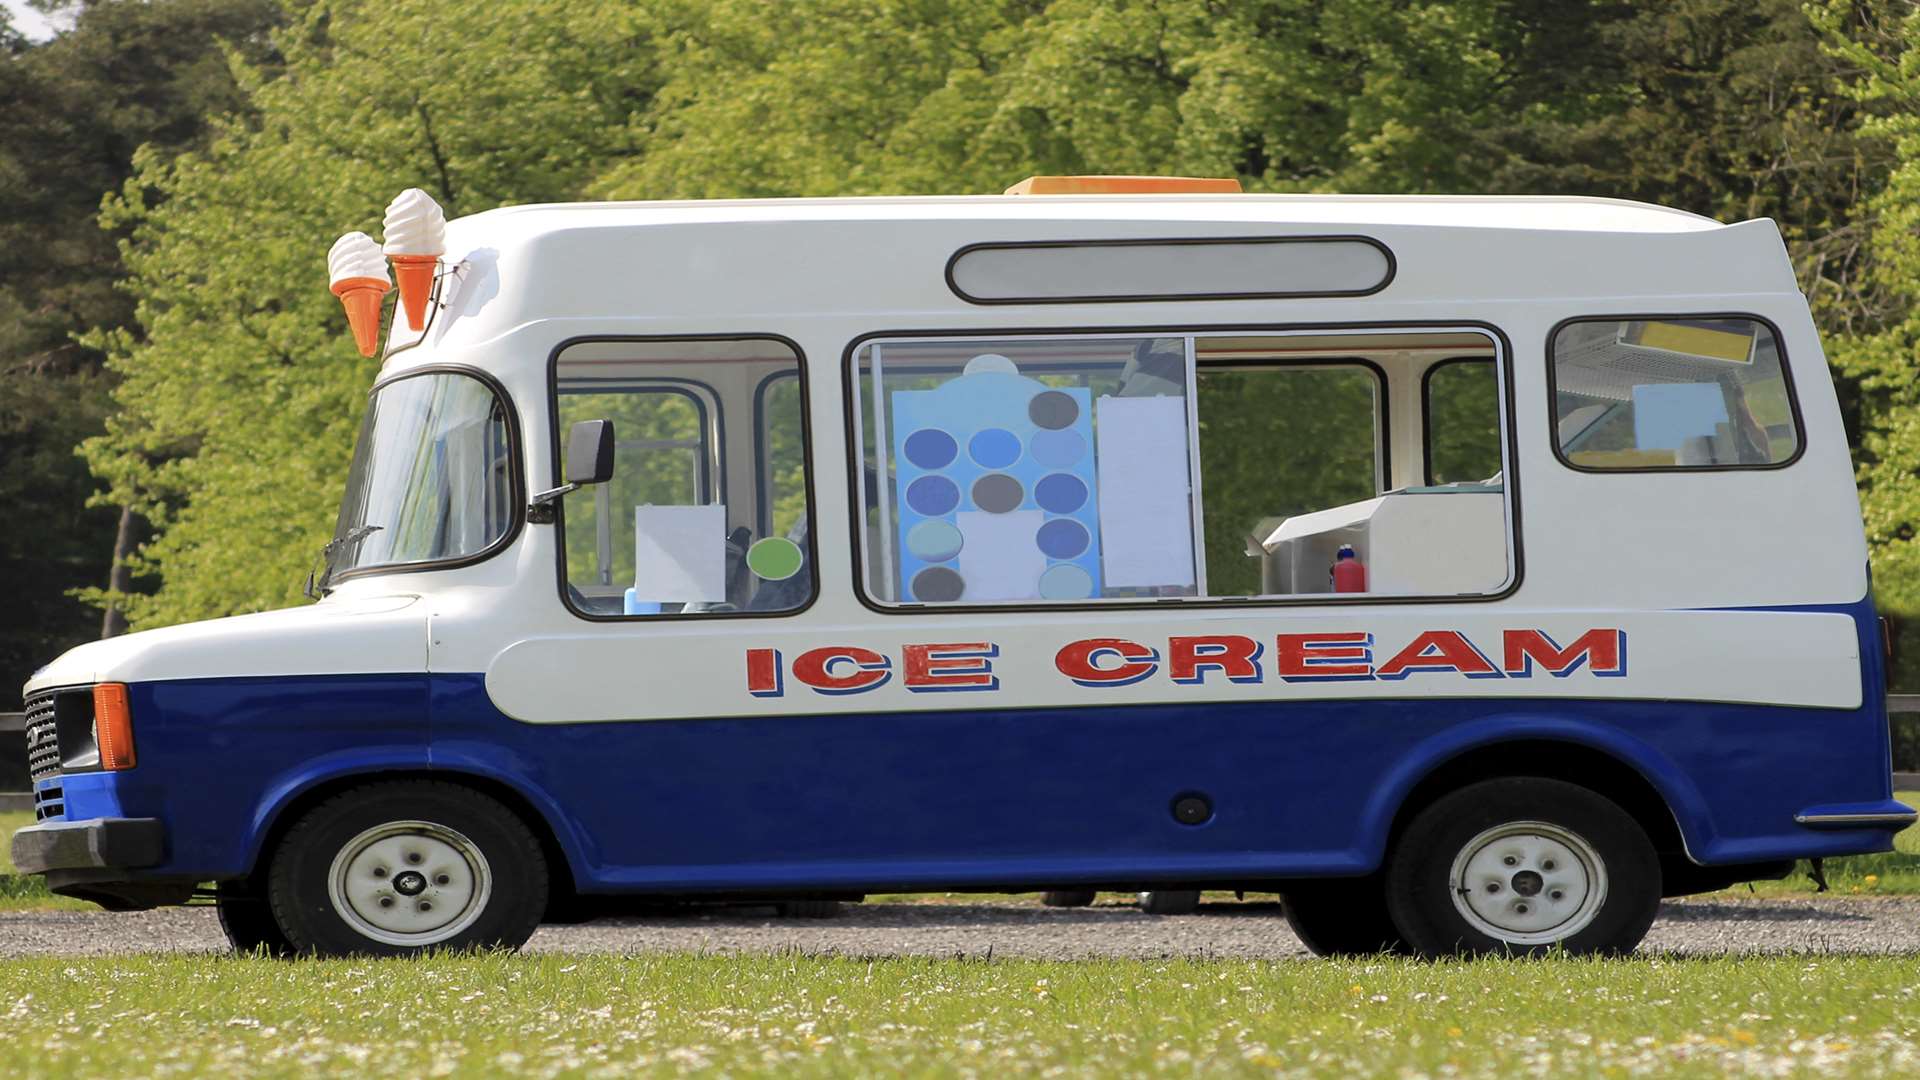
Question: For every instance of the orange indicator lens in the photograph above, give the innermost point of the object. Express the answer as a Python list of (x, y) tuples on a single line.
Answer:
[(113, 726)]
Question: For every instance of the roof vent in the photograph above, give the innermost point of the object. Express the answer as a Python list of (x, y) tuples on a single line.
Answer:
[(1125, 185)]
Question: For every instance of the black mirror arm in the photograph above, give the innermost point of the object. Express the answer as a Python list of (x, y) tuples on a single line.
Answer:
[(540, 507)]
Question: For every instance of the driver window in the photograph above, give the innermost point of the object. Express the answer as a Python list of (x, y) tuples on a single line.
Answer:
[(706, 513)]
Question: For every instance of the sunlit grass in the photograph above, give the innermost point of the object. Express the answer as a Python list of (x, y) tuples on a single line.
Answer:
[(802, 1015)]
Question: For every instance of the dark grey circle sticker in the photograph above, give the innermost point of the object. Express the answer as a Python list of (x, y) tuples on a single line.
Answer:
[(998, 493), (938, 585), (1053, 410)]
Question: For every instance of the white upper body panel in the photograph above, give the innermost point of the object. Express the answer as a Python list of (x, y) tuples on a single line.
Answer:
[(1681, 560)]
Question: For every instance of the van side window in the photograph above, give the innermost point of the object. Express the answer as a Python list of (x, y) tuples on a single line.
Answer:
[(706, 513), (1461, 401), (1671, 392), (1131, 468)]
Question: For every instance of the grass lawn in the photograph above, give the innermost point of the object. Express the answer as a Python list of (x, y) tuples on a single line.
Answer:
[(800, 1015)]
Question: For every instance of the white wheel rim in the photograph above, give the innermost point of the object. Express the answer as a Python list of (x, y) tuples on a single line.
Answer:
[(1528, 883), (409, 883)]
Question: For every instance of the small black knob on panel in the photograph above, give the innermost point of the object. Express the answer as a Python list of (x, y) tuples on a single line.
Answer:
[(1192, 809)]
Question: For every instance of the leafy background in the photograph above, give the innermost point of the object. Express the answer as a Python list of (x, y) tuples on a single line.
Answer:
[(165, 168)]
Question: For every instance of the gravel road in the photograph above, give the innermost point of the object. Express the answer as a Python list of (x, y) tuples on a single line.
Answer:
[(959, 927)]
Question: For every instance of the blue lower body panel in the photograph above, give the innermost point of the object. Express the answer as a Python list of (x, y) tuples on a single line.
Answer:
[(964, 798)]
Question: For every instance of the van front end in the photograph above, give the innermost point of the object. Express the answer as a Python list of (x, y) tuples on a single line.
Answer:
[(156, 765)]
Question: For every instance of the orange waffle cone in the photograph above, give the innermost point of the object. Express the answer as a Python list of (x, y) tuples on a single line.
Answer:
[(361, 297), (415, 275)]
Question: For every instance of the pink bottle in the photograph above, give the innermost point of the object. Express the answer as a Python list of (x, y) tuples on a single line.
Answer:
[(1349, 573)]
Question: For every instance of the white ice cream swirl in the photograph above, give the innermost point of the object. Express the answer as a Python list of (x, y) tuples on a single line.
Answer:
[(415, 225), (355, 255)]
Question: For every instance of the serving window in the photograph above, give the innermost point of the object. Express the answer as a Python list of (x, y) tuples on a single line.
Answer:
[(707, 510), (1672, 392), (1113, 468)]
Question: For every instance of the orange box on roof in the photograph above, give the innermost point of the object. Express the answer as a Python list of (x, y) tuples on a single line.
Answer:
[(1125, 185)]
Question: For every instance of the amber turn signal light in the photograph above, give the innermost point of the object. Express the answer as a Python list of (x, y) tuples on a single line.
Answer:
[(113, 726)]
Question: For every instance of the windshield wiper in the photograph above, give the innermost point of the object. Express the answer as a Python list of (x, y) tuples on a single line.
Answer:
[(316, 588)]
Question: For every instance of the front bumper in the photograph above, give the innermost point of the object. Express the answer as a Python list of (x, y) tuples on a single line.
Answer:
[(99, 859)]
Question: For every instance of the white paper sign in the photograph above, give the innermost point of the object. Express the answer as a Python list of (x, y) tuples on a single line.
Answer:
[(680, 553), (1146, 516), (1000, 558)]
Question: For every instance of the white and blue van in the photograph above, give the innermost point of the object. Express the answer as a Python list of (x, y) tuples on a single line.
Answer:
[(805, 549)]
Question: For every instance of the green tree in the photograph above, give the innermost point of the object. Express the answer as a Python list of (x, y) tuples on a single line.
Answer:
[(72, 111), (241, 394)]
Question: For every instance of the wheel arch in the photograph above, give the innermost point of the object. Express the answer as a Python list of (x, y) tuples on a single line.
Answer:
[(285, 807), (1651, 789)]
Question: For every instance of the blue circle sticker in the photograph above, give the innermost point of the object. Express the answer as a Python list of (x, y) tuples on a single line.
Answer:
[(1058, 449), (932, 496), (931, 448), (1066, 582), (934, 541), (994, 448), (1062, 538), (1060, 493)]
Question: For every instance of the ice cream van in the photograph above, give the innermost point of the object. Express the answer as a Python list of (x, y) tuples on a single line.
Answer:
[(1472, 572)]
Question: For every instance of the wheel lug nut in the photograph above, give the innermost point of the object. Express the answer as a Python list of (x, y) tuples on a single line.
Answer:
[(1511, 861), (379, 871), (425, 906), (413, 857), (1548, 865), (1493, 886), (1557, 895), (386, 901), (441, 879), (1521, 908)]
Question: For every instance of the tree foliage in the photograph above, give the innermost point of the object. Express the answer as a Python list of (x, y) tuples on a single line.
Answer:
[(239, 392)]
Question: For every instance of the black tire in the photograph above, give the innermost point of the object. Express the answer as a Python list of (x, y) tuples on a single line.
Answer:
[(1343, 917), (247, 920), (1068, 897), (1608, 906), (1170, 902), (809, 909), (489, 876)]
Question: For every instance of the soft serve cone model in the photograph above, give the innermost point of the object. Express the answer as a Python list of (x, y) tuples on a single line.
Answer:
[(416, 231), (359, 277)]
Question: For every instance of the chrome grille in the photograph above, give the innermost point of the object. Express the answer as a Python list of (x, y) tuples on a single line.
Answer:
[(43, 739)]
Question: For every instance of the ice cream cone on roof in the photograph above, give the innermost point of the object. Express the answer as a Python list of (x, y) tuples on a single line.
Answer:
[(358, 276), (416, 231)]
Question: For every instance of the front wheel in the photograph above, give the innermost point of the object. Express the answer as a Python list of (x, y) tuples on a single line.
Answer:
[(1521, 866), (399, 868), (247, 920)]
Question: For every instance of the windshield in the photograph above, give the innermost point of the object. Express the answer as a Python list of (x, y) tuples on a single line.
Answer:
[(432, 477)]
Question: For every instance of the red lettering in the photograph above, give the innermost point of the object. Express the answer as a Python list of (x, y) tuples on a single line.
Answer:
[(1604, 651), (1306, 657), (1081, 661), (816, 668), (963, 666), (1439, 650), (763, 673), (1190, 658)]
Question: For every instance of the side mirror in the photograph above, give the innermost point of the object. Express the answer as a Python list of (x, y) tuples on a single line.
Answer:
[(590, 452), (589, 461)]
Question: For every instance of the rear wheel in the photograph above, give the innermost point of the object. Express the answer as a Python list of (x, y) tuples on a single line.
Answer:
[(1170, 901), (247, 920), (1520, 866), (399, 868), (1067, 897), (1343, 917)]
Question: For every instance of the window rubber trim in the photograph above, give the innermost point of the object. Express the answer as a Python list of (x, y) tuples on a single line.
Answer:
[(516, 454), (1786, 376), (1386, 279), (856, 548), (560, 511)]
